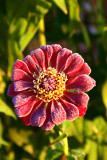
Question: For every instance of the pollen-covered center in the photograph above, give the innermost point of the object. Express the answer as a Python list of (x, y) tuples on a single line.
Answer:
[(49, 85)]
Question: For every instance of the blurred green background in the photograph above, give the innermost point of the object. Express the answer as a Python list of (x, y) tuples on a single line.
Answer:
[(78, 25)]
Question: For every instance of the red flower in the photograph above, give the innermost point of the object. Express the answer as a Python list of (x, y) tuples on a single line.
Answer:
[(48, 86)]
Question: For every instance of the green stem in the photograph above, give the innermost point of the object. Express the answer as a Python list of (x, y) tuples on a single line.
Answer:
[(41, 32), (65, 142), (64, 138)]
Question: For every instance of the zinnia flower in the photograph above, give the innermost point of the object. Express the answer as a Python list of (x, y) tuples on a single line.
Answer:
[(48, 86)]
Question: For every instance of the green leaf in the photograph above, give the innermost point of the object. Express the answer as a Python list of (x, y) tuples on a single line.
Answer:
[(31, 29), (72, 128), (53, 155), (58, 139), (85, 35), (76, 155), (74, 18), (2, 141), (100, 124), (13, 54), (19, 137), (42, 7), (17, 28), (92, 152), (62, 5), (104, 95), (4, 108), (56, 153)]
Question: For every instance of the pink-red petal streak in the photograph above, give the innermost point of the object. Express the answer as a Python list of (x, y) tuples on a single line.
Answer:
[(73, 63), (82, 83), (71, 110), (39, 115), (58, 113)]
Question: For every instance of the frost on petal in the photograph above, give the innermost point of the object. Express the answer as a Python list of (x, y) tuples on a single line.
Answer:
[(56, 49), (71, 110), (26, 119), (58, 113), (21, 65), (24, 110), (22, 85), (82, 111), (22, 98), (11, 91), (73, 63), (19, 74), (61, 58), (39, 115), (48, 50), (48, 124), (79, 99), (85, 69), (31, 64), (82, 83), (39, 58)]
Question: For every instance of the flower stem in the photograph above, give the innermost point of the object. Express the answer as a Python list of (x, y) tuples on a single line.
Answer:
[(41, 32), (65, 142)]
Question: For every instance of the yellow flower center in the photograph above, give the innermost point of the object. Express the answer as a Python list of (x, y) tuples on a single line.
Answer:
[(49, 85)]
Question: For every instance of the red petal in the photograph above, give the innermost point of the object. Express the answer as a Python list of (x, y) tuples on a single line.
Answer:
[(47, 49), (71, 110), (73, 63), (26, 119), (11, 91), (31, 64), (56, 50), (82, 83), (85, 69), (22, 85), (48, 124), (39, 58), (22, 98), (61, 58), (39, 115), (21, 65), (19, 74), (79, 99), (58, 113), (82, 111), (25, 109)]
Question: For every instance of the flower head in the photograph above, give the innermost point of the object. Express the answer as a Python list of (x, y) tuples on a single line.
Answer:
[(48, 86)]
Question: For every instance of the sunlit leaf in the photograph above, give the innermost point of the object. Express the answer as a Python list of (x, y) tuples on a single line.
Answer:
[(92, 153), (17, 28), (2, 141), (42, 7), (77, 155), (29, 148), (4, 108), (33, 24), (13, 54), (2, 82), (100, 123), (62, 5), (74, 18), (104, 94), (19, 137), (72, 128)]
